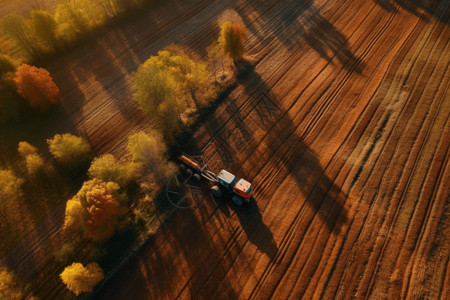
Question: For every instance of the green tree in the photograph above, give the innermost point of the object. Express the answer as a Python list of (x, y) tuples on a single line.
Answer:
[(37, 86), (43, 28), (155, 92), (148, 150), (96, 211), (232, 38), (80, 279), (15, 27), (107, 168), (70, 151), (71, 21)]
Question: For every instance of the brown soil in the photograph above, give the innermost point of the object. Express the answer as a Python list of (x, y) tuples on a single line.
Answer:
[(342, 127)]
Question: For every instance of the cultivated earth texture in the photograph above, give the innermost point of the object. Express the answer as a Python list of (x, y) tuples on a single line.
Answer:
[(342, 126)]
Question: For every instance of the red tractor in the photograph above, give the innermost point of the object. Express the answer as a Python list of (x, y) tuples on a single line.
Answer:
[(225, 182)]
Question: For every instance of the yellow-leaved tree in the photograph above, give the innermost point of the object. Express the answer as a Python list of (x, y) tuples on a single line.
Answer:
[(8, 285), (107, 168), (33, 160), (96, 211), (80, 279), (70, 151)]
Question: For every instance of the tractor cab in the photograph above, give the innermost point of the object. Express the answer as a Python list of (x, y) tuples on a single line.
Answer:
[(243, 189)]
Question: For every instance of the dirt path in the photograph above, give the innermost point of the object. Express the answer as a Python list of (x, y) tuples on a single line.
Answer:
[(343, 127)]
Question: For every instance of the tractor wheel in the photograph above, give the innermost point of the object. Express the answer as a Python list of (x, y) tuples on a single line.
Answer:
[(189, 172), (182, 168), (216, 191), (238, 200), (197, 177)]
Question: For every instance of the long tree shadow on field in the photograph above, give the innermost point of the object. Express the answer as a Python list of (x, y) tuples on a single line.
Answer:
[(420, 8), (292, 22), (287, 152), (183, 262)]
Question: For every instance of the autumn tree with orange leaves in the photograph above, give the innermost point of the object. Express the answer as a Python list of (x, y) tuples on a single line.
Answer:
[(36, 86), (96, 211), (232, 38)]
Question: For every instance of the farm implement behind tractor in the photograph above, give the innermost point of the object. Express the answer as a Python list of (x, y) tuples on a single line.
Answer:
[(224, 183)]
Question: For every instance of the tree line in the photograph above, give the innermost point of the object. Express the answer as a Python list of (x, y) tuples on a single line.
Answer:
[(170, 88), (45, 32)]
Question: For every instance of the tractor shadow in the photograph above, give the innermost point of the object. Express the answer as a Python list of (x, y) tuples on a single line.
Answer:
[(257, 232), (286, 148)]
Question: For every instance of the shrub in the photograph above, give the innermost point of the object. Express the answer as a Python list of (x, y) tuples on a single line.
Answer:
[(80, 279), (107, 168), (70, 151), (96, 211)]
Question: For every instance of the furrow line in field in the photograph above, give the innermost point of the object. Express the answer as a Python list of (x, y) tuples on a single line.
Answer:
[(326, 101), (403, 210), (396, 141), (360, 228), (418, 218), (216, 264), (423, 238)]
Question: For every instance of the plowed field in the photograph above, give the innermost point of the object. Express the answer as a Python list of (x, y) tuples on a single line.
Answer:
[(342, 126)]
